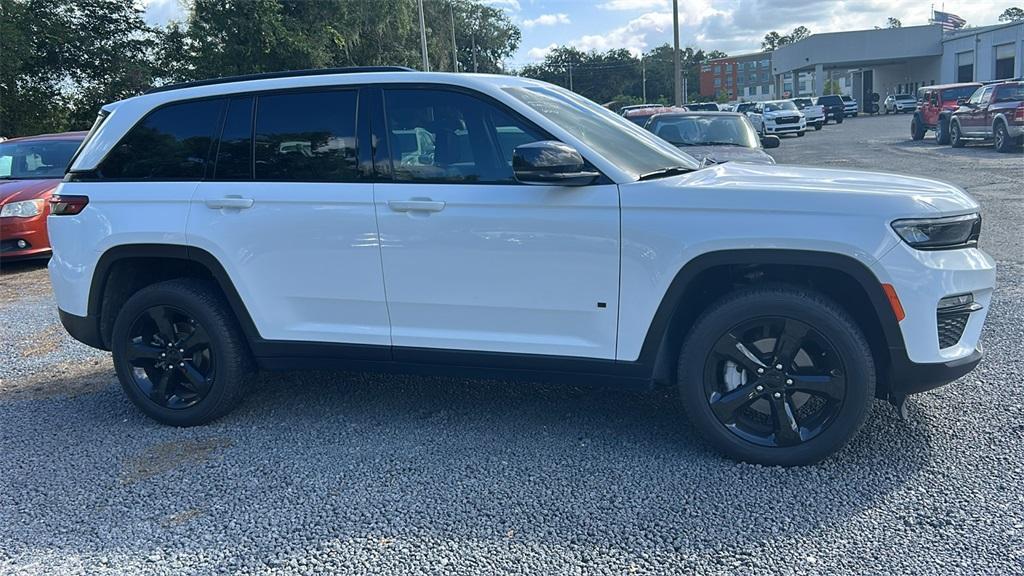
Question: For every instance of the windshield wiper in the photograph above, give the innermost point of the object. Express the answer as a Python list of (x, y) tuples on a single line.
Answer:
[(670, 171)]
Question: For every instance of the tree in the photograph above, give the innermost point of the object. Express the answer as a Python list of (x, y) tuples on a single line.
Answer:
[(773, 40), (1012, 14), (63, 59), (893, 23)]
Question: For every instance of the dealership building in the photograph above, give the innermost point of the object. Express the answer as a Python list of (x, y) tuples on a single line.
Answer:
[(883, 61)]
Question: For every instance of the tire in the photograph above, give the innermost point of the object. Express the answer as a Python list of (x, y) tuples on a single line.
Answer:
[(1003, 142), (800, 134), (942, 131), (213, 365), (916, 128), (839, 119), (845, 376), (956, 139), (817, 125)]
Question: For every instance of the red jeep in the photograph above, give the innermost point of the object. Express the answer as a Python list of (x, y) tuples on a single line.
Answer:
[(935, 104), (994, 112)]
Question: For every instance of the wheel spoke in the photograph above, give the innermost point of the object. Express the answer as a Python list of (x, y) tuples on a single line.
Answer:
[(787, 431), (159, 391), (789, 341), (143, 355), (161, 317), (730, 347), (195, 341), (831, 386), (725, 406), (196, 381)]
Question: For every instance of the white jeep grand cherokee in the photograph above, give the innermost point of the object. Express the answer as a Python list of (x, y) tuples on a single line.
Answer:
[(386, 219)]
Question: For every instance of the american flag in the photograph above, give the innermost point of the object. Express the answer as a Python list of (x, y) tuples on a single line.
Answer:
[(948, 20)]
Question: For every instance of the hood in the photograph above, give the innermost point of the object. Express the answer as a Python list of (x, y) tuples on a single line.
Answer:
[(728, 154), (776, 113), (795, 188), (18, 190)]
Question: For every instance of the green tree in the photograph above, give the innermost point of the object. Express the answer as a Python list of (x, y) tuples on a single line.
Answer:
[(893, 23), (773, 40), (1012, 14), (62, 59)]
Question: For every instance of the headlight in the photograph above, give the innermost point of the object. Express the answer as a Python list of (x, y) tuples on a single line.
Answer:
[(23, 209), (940, 233)]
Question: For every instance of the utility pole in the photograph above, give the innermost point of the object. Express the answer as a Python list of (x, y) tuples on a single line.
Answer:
[(423, 39), (455, 51), (675, 53), (475, 70), (570, 75), (643, 76)]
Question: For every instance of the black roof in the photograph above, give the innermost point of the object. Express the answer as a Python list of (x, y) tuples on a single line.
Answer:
[(282, 74)]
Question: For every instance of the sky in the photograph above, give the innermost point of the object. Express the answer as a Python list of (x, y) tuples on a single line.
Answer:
[(732, 26)]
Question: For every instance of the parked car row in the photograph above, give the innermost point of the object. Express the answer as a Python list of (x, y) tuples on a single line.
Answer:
[(971, 111)]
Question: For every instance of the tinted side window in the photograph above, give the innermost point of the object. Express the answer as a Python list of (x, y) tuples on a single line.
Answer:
[(170, 143), (442, 136), (234, 154), (307, 137)]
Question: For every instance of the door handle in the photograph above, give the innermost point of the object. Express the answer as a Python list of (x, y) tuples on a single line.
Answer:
[(236, 202), (416, 205)]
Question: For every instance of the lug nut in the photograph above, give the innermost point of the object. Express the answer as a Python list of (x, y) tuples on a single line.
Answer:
[(778, 366), (182, 364), (777, 395), (789, 381), (182, 350), (760, 370), (760, 388)]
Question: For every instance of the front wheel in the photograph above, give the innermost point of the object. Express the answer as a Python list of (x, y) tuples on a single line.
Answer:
[(179, 353), (776, 375), (1003, 142), (800, 134), (956, 138)]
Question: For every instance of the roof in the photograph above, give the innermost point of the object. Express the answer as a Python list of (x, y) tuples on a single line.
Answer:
[(979, 30), (45, 137), (281, 74), (954, 85), (697, 113), (739, 56)]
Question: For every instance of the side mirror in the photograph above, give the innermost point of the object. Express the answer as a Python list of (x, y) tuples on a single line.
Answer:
[(961, 101), (552, 163), (770, 141)]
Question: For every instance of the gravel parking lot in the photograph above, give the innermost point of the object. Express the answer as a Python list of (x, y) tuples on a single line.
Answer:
[(381, 474)]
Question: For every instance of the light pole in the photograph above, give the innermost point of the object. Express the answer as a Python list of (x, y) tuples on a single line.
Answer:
[(455, 52), (643, 76), (675, 52), (423, 39)]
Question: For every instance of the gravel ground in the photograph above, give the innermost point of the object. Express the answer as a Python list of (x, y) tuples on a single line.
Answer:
[(411, 475)]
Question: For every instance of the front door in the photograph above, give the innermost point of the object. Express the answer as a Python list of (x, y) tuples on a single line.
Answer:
[(291, 221), (474, 260)]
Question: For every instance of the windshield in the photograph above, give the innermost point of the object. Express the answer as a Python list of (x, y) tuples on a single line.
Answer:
[(903, 97), (705, 130), (847, 98), (616, 139), (956, 93), (777, 106), (1009, 92), (802, 103), (36, 160)]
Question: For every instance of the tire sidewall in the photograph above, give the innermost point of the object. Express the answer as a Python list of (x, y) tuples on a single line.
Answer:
[(955, 138), (202, 313), (840, 331)]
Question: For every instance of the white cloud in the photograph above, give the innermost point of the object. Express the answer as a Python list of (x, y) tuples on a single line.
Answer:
[(160, 12), (547, 20), (512, 5), (634, 4), (539, 53)]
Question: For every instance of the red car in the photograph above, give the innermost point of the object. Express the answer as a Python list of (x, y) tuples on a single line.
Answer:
[(935, 104), (995, 113), (30, 168)]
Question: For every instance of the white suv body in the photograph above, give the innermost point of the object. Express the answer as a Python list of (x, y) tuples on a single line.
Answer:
[(422, 252)]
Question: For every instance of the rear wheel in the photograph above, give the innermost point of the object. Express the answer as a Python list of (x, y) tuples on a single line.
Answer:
[(916, 128), (956, 137), (839, 118), (942, 131), (776, 376), (818, 125), (179, 353), (1003, 142)]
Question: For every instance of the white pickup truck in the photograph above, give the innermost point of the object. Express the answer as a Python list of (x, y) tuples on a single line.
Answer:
[(814, 113)]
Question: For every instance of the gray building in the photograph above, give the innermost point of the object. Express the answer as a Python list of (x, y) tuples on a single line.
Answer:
[(899, 60)]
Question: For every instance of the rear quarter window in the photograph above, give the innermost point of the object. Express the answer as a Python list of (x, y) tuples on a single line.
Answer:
[(171, 143)]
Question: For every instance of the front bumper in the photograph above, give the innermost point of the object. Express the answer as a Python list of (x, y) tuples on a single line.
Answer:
[(906, 377), (31, 231), (773, 128), (85, 329)]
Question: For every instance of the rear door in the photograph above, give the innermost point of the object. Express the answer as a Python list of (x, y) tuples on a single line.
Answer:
[(472, 259), (291, 220)]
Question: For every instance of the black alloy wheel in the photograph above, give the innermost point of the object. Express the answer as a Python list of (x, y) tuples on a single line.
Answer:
[(956, 138), (776, 375), (1002, 143), (179, 352), (774, 381), (171, 357)]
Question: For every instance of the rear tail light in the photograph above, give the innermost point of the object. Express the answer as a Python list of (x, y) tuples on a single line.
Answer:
[(61, 205), (1019, 114)]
